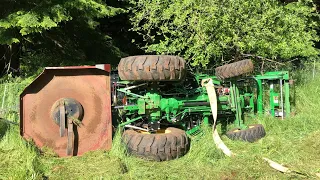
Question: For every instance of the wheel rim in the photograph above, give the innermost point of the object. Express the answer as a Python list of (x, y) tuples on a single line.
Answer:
[(160, 131), (236, 130)]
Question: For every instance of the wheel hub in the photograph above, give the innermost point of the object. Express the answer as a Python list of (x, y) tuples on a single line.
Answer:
[(73, 109)]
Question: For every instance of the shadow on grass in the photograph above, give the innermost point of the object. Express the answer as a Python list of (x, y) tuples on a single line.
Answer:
[(3, 128)]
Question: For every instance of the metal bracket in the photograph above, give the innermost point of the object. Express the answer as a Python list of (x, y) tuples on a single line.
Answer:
[(62, 119), (63, 114), (132, 87), (70, 143), (135, 127)]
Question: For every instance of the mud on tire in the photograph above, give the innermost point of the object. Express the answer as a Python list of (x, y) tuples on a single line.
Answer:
[(157, 147), (253, 133), (152, 68), (234, 69)]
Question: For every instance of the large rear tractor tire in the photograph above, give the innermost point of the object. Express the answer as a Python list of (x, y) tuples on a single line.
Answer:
[(252, 134), (234, 69), (152, 68), (170, 144)]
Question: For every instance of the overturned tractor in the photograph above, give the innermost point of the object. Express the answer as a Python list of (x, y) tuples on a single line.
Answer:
[(157, 102)]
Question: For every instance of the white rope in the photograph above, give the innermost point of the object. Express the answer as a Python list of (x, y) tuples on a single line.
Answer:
[(214, 108)]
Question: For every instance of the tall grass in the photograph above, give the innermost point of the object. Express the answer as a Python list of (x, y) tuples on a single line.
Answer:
[(19, 159), (10, 88), (292, 142)]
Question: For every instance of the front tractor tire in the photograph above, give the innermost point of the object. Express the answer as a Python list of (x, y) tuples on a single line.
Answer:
[(234, 69), (152, 68), (251, 134), (167, 145)]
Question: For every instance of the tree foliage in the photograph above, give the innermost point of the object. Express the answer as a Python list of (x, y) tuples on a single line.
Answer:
[(56, 33), (21, 18), (220, 30)]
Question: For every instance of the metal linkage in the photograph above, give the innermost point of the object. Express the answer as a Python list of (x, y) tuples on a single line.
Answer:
[(62, 118), (135, 127), (67, 113), (70, 143)]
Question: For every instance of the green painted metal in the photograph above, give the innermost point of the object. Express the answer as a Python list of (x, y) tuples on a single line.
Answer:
[(273, 75), (129, 121), (154, 106), (250, 107), (259, 96), (193, 130), (273, 97), (239, 105), (206, 120), (275, 102)]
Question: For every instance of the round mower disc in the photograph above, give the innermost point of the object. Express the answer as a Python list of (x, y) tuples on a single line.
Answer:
[(90, 89)]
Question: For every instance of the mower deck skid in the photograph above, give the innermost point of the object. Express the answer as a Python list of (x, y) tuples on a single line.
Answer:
[(68, 109)]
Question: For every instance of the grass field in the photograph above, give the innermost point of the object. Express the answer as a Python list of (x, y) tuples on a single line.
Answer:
[(294, 142)]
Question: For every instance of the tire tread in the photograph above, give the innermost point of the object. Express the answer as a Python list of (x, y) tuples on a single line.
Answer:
[(234, 69), (158, 147), (152, 68)]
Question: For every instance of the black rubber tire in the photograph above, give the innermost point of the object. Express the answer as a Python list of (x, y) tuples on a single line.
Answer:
[(252, 134), (234, 69), (157, 147), (152, 68)]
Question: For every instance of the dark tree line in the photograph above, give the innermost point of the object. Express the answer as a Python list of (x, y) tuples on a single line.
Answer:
[(39, 33)]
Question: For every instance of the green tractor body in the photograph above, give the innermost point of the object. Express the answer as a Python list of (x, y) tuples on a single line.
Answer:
[(185, 103), (153, 98)]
